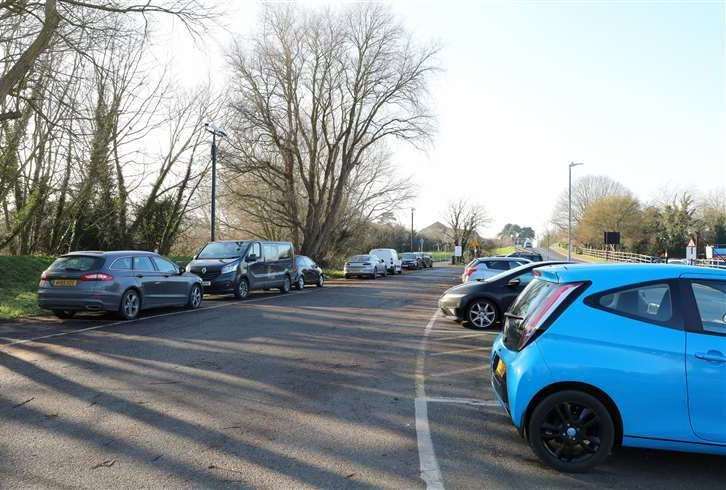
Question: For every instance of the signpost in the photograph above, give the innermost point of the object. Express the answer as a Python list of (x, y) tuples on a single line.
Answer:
[(457, 253), (691, 252)]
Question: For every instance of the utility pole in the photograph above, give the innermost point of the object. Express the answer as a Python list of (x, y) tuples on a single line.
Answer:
[(412, 210), (569, 214), (210, 128)]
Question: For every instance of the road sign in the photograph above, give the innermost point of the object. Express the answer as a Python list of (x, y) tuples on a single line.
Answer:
[(611, 237), (691, 251), (457, 251)]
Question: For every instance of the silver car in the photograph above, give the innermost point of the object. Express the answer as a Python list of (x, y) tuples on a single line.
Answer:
[(485, 267), (364, 266), (125, 282)]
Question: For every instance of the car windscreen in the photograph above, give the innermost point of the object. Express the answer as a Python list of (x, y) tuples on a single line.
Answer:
[(222, 250), (408, 255), (509, 273), (76, 263), (360, 258)]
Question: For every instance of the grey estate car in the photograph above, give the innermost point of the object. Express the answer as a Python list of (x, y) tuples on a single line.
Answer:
[(123, 281)]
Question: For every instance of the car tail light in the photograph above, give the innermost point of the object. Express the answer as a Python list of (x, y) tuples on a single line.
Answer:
[(536, 319), (469, 271), (44, 276), (96, 276)]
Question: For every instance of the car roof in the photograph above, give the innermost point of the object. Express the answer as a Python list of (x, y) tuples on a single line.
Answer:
[(110, 253), (499, 258), (611, 275)]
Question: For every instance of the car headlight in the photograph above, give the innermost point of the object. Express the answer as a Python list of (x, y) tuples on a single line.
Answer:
[(230, 268), (451, 298), (188, 268)]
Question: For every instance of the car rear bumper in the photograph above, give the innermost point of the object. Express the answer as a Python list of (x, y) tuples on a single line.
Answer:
[(54, 300)]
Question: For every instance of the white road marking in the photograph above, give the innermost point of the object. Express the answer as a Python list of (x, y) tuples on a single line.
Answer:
[(463, 401), (428, 464), (459, 371), (127, 322), (465, 336), (458, 351)]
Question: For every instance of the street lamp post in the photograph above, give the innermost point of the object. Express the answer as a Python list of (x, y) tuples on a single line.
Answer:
[(215, 131), (569, 213), (412, 210)]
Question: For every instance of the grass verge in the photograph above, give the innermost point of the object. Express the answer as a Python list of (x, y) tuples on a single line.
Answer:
[(18, 285)]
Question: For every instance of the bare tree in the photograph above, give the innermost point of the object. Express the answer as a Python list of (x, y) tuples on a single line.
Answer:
[(316, 95), (464, 220), (585, 191)]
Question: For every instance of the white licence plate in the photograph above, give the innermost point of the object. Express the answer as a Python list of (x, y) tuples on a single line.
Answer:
[(206, 283)]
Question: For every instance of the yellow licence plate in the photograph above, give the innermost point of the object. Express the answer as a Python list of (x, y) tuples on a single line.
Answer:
[(501, 369), (64, 283)]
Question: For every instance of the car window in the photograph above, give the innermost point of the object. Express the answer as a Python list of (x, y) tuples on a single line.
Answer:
[(498, 265), (165, 266), (649, 302), (222, 250), (122, 264), (270, 252), (75, 263), (284, 251), (255, 250), (143, 263), (711, 300)]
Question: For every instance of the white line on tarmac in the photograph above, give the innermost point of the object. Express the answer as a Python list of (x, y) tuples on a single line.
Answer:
[(428, 464), (463, 401), (128, 322), (458, 351), (465, 336)]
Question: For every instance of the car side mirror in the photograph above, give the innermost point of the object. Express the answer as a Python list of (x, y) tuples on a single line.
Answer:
[(513, 283), (181, 270), (251, 258)]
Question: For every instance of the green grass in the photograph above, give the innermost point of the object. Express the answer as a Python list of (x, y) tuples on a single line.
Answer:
[(333, 273), (20, 276), (582, 258), (504, 250)]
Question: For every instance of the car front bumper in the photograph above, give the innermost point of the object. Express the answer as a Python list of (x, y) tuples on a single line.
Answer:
[(450, 306), (223, 283)]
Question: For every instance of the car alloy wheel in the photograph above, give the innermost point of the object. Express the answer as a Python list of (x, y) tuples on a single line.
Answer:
[(300, 283), (571, 431), (195, 297), (321, 281), (242, 290), (482, 314), (130, 305)]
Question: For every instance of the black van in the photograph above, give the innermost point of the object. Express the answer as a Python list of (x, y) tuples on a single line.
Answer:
[(239, 266)]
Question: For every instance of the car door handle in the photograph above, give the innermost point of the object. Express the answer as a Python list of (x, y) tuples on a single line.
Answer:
[(140, 276), (711, 356)]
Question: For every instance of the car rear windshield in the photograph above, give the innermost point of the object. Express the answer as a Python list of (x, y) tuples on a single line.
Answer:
[(360, 258), (76, 263), (222, 250)]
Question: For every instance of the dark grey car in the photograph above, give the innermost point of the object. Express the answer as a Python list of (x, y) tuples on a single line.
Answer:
[(124, 281)]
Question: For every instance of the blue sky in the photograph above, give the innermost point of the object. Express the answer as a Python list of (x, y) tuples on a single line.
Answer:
[(636, 90)]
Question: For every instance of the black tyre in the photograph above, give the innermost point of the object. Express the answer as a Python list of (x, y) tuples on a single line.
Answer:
[(64, 314), (285, 288), (195, 297), (130, 305), (571, 431), (347, 276), (321, 281), (481, 313), (242, 290), (400, 271), (374, 275), (300, 283)]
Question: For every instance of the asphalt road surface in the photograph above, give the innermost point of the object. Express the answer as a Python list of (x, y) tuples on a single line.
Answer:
[(356, 385)]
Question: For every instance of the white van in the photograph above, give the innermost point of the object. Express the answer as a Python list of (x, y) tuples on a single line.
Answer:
[(390, 257)]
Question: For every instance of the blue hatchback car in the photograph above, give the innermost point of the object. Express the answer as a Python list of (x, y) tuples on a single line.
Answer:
[(597, 356)]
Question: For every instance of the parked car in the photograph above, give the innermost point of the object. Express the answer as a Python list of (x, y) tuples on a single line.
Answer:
[(306, 271), (390, 257), (241, 266), (482, 304), (125, 282), (426, 260), (597, 356), (364, 266), (486, 267), (531, 256), (410, 260)]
